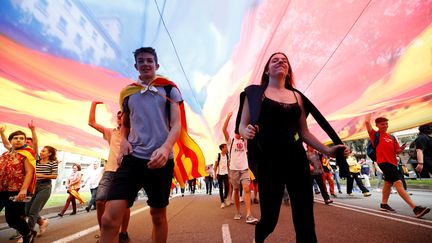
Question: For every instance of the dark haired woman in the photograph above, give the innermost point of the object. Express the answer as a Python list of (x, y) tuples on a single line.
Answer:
[(280, 131), (73, 185), (46, 170)]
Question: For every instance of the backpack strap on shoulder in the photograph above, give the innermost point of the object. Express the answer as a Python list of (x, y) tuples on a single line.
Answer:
[(376, 140), (168, 89), (232, 142)]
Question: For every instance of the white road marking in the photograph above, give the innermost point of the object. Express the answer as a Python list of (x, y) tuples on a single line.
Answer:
[(374, 212), (226, 236), (90, 230), (96, 227)]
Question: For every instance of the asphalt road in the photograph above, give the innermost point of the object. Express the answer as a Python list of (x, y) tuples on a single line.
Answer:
[(198, 218)]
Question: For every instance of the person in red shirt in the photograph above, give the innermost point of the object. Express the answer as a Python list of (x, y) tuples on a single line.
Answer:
[(387, 148)]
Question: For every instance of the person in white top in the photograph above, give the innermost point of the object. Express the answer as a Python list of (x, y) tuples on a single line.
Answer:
[(221, 168), (113, 137), (93, 178), (239, 172), (209, 179)]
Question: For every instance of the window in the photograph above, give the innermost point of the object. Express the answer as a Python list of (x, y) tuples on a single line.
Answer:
[(68, 4), (82, 21), (62, 25), (78, 40), (95, 35), (42, 6)]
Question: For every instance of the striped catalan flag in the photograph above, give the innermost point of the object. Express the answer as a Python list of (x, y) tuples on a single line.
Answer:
[(189, 161), (29, 153)]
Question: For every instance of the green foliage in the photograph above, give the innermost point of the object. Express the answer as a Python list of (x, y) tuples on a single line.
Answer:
[(358, 147)]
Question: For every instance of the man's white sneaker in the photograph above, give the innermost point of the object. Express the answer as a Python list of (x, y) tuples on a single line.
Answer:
[(237, 216), (43, 227), (222, 205), (251, 220)]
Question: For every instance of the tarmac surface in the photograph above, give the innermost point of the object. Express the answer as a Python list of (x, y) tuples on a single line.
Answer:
[(199, 218)]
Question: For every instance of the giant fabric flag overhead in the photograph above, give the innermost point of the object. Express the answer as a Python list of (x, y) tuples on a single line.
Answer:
[(349, 57)]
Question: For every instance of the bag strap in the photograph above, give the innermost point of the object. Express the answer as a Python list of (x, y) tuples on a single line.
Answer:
[(232, 141), (255, 95), (376, 140), (168, 89)]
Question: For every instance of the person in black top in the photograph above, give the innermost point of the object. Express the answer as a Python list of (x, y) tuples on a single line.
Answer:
[(424, 148), (279, 135)]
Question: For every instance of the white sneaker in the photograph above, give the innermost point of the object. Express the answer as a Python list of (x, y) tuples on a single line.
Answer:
[(241, 200), (222, 205), (251, 220), (228, 203), (43, 227), (237, 216)]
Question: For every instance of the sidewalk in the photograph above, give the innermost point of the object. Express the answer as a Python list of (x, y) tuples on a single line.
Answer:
[(47, 213)]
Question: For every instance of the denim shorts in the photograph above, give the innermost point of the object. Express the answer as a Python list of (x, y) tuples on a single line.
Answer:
[(133, 174)]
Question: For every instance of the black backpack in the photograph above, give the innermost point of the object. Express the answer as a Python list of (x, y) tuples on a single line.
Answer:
[(371, 148), (219, 157)]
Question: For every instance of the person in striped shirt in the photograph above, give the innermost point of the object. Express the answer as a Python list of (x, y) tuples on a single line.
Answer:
[(46, 170)]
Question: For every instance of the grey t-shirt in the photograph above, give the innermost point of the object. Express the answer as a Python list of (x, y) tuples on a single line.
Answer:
[(148, 121)]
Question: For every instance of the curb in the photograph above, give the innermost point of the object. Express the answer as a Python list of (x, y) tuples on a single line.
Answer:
[(47, 213)]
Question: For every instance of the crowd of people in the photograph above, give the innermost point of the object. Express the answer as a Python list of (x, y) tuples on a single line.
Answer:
[(271, 149)]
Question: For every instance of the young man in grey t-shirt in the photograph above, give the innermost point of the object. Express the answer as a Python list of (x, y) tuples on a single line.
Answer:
[(151, 126)]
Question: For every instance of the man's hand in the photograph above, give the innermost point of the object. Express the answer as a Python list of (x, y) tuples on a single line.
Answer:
[(334, 149), (31, 126), (97, 102), (158, 158), (419, 168), (250, 132), (21, 195), (368, 117), (125, 149), (2, 129)]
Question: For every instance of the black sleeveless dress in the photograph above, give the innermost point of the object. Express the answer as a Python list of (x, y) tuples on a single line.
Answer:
[(278, 136)]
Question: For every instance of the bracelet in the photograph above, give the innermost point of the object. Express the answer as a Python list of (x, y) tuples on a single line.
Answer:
[(420, 163)]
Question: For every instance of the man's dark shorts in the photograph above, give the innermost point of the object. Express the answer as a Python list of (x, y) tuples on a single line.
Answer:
[(133, 174), (390, 171), (104, 186)]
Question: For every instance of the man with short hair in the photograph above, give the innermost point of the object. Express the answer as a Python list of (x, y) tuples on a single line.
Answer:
[(239, 171), (93, 179), (221, 169), (424, 149), (17, 181), (150, 127), (387, 148)]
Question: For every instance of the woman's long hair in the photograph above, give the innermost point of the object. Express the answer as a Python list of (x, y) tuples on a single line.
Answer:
[(53, 153), (289, 79)]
